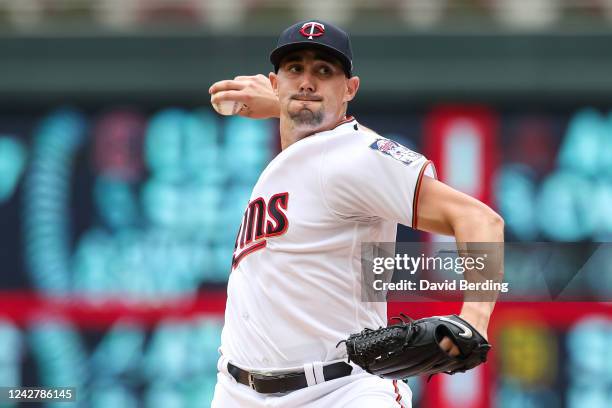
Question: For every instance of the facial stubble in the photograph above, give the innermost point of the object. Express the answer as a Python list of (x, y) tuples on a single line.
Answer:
[(307, 117)]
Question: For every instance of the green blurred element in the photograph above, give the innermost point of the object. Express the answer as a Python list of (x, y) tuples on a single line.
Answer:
[(515, 191), (151, 264), (247, 148), (565, 207), (182, 151), (180, 145), (116, 202), (179, 350), (11, 349), (585, 138), (46, 199), (120, 351), (181, 362), (163, 396), (175, 364), (13, 156), (574, 200), (590, 375), (115, 395), (164, 237), (60, 356)]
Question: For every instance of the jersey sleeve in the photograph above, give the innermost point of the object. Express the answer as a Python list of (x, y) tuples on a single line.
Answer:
[(374, 177)]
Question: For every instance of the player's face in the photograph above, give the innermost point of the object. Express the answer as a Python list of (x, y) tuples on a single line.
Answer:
[(313, 89)]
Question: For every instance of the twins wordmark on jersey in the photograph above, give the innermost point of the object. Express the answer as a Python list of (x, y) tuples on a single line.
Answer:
[(261, 220)]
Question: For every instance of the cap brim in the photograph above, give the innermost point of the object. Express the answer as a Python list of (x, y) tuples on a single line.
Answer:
[(277, 55)]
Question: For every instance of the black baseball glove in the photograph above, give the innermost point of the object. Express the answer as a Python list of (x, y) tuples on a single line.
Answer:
[(411, 347)]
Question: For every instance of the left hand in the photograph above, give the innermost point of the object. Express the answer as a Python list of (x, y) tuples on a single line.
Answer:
[(410, 347)]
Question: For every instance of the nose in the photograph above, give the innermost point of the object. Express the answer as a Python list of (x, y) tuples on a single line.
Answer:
[(307, 84)]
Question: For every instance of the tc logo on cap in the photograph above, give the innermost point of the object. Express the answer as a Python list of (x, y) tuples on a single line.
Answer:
[(312, 29)]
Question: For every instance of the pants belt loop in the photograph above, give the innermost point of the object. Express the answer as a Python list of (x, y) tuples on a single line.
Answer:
[(310, 374), (222, 365), (318, 372)]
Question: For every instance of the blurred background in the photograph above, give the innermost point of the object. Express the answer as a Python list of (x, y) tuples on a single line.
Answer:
[(121, 190)]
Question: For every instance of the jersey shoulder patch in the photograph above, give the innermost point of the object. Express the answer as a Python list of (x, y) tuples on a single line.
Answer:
[(395, 150)]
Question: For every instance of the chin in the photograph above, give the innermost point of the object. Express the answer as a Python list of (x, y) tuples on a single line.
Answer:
[(307, 119)]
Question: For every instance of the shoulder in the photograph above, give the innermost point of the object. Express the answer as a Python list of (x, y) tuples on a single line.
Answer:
[(359, 142), (351, 136)]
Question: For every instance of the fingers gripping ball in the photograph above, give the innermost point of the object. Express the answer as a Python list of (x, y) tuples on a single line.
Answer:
[(413, 347), (227, 108)]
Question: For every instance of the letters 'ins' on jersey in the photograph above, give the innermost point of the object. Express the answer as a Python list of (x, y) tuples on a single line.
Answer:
[(261, 220)]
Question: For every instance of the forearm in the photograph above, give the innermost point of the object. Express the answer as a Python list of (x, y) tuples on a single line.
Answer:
[(478, 235)]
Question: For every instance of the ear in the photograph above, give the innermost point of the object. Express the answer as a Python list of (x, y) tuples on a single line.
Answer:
[(352, 86), (274, 82)]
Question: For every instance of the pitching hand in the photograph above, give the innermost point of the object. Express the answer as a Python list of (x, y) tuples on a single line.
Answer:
[(254, 91)]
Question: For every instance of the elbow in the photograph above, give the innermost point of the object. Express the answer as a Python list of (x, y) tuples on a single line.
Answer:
[(479, 223), (493, 222)]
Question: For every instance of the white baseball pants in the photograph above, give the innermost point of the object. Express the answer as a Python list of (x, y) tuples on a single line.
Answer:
[(358, 390)]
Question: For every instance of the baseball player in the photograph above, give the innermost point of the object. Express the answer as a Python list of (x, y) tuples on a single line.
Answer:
[(294, 290)]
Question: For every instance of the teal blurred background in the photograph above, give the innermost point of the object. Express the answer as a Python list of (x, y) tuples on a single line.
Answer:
[(121, 190)]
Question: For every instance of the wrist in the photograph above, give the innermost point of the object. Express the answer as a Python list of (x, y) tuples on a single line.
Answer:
[(478, 315)]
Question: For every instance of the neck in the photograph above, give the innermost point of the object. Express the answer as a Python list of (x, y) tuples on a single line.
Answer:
[(289, 133)]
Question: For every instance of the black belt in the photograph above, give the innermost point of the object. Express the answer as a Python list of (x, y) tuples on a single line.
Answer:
[(269, 384)]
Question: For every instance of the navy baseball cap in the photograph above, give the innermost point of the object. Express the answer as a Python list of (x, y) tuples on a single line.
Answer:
[(315, 34)]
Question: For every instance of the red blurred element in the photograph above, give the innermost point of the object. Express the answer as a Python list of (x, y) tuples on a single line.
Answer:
[(25, 307), (451, 132), (418, 310), (118, 145), (21, 307), (463, 143), (476, 395), (533, 141)]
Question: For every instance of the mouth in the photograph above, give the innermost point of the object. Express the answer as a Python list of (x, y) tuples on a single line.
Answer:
[(307, 98)]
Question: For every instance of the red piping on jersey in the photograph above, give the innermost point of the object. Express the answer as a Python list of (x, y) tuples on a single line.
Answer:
[(251, 249), (399, 396), (417, 189)]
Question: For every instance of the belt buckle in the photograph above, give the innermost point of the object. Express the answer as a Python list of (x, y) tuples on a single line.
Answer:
[(251, 381)]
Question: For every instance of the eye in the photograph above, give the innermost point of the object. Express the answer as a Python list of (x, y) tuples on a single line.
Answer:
[(295, 68), (325, 70)]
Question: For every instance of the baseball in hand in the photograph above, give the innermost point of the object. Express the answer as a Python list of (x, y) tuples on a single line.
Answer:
[(227, 107)]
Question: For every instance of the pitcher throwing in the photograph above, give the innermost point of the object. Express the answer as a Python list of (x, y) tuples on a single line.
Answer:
[(294, 290)]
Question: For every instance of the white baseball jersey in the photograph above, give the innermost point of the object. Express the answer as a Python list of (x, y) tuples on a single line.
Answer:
[(294, 291)]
